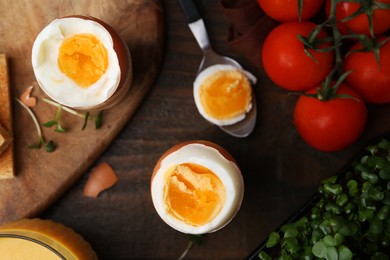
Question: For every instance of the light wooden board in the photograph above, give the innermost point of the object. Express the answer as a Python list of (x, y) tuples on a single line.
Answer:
[(42, 177)]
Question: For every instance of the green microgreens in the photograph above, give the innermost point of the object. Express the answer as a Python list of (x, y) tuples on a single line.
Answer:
[(49, 146), (197, 239), (193, 239), (56, 121), (349, 218), (98, 120)]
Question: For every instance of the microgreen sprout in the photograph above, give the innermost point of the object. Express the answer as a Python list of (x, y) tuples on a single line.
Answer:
[(49, 146), (98, 119), (349, 219), (56, 121), (193, 239)]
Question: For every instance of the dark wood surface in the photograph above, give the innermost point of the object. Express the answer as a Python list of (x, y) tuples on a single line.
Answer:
[(280, 171)]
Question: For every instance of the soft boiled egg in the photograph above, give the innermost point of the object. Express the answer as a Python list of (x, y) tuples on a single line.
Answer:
[(81, 62), (223, 94), (197, 187)]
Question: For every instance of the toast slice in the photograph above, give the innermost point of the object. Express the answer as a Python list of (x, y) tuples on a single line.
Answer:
[(7, 155), (5, 139)]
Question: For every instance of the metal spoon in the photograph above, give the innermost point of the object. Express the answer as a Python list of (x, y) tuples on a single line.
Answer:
[(195, 22)]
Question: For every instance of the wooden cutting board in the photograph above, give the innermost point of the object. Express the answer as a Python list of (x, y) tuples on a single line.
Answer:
[(42, 177)]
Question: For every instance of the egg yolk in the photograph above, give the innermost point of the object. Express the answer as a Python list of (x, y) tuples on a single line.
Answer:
[(225, 94), (83, 58), (193, 194)]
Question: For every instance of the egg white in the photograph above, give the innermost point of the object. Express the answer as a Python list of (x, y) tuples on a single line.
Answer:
[(203, 75), (54, 82), (227, 171)]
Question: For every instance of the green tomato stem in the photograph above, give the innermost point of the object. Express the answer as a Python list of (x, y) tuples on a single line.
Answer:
[(337, 37)]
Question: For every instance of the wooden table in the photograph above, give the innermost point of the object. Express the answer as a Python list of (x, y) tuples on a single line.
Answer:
[(280, 171)]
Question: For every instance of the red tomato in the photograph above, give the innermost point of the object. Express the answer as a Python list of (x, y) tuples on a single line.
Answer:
[(359, 24), (287, 10), (371, 81), (330, 125), (285, 61)]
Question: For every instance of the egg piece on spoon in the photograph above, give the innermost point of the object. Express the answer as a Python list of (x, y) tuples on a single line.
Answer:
[(223, 94), (197, 187), (80, 62)]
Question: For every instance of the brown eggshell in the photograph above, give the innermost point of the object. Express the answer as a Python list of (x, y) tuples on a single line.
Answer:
[(124, 59), (27, 99), (176, 147), (101, 178)]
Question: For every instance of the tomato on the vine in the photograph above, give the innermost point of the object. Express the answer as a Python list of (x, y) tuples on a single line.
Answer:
[(287, 10), (360, 23), (333, 124), (286, 62), (368, 77)]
